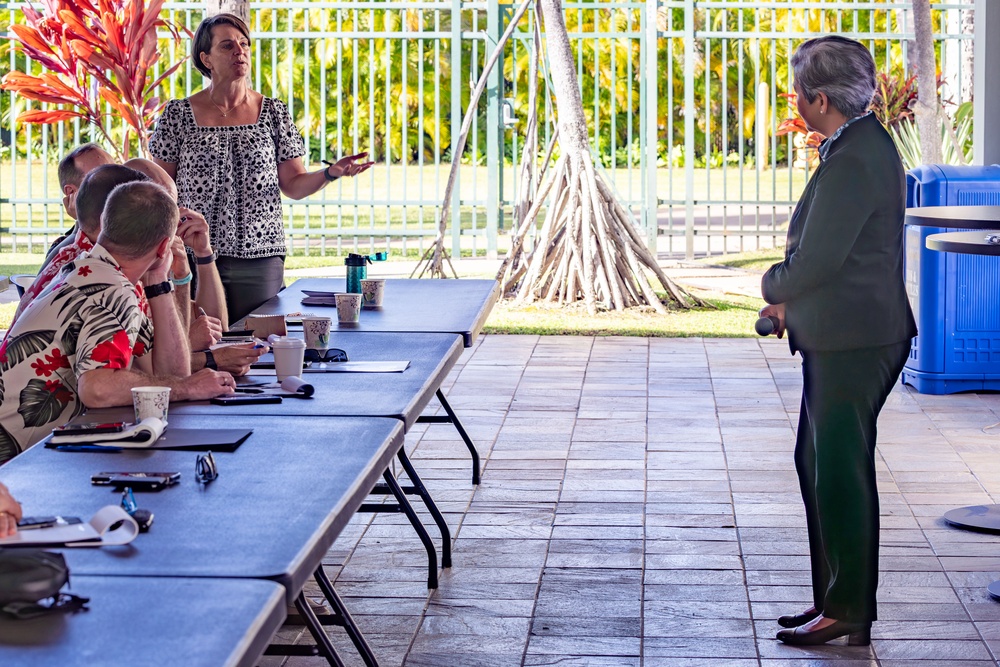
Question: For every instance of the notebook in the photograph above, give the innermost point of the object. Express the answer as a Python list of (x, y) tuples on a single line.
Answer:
[(75, 533)]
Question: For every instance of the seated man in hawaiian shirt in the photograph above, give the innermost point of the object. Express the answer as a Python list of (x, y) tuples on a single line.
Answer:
[(90, 201), (72, 168), (194, 273), (88, 205), (85, 342)]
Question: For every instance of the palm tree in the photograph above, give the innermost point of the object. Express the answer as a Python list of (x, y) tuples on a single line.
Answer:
[(927, 108)]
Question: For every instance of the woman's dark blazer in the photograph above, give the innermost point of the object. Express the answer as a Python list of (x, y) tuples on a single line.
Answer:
[(842, 277)]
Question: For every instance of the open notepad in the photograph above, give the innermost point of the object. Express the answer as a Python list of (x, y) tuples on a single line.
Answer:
[(153, 433), (136, 436), (75, 533)]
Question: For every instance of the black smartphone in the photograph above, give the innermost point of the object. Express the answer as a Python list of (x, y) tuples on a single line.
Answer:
[(244, 399), (92, 428), (139, 481), (30, 522)]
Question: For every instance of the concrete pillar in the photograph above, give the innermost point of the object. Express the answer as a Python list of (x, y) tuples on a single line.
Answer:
[(986, 112)]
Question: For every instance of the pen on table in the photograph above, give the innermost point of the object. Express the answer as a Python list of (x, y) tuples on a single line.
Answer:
[(87, 448)]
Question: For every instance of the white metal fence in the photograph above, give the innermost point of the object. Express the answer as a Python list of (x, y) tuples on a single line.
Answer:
[(684, 99)]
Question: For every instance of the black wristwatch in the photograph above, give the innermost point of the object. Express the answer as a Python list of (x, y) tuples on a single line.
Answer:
[(210, 361), (208, 259), (159, 289), (326, 172)]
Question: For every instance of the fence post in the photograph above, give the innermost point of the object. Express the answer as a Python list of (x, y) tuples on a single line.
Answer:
[(689, 129), (649, 112), (494, 130), (456, 125)]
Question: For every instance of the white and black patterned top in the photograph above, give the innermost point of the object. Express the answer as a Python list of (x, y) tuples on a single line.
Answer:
[(230, 174)]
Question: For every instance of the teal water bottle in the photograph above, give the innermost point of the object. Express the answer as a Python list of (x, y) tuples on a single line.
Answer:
[(357, 270)]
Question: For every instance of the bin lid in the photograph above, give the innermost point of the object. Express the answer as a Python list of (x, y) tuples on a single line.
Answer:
[(967, 217)]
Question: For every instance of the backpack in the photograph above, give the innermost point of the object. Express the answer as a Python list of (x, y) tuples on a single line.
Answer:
[(30, 581)]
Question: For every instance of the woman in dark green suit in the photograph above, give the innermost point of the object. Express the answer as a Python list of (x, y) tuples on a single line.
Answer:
[(839, 293)]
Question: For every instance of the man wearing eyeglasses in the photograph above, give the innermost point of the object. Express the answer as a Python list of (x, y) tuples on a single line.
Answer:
[(85, 341)]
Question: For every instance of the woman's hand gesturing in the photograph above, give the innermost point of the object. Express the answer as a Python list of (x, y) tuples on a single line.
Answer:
[(349, 166)]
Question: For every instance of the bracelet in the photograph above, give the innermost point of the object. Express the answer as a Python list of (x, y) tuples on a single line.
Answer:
[(183, 281), (210, 361), (326, 172), (208, 259)]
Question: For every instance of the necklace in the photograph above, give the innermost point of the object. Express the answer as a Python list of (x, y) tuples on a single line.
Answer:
[(232, 108)]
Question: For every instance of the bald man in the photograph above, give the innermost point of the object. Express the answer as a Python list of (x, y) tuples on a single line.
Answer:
[(194, 274)]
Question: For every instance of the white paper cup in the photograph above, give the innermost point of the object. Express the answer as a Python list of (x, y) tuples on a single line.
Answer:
[(150, 402), (289, 354), (373, 289), (348, 307), (317, 332)]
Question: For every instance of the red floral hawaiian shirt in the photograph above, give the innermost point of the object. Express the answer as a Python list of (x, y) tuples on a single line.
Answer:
[(80, 245), (89, 317)]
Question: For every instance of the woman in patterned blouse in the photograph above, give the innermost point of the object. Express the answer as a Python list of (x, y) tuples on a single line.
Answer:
[(232, 153)]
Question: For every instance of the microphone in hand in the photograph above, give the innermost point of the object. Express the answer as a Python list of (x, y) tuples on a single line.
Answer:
[(766, 326)]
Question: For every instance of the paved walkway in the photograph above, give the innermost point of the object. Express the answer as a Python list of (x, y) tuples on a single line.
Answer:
[(639, 507)]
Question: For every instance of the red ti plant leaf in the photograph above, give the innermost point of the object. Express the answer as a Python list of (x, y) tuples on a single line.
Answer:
[(46, 117), (107, 46), (78, 28), (31, 38)]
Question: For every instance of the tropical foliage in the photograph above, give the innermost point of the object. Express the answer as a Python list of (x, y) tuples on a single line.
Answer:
[(381, 78), (94, 55)]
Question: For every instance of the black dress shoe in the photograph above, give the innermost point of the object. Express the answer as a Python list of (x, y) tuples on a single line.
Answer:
[(796, 620), (858, 634)]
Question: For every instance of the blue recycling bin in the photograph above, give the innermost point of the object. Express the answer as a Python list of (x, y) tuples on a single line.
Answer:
[(955, 298)]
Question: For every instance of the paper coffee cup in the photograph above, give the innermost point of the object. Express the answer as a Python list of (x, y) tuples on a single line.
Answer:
[(150, 402), (317, 332), (289, 353), (373, 289), (348, 307)]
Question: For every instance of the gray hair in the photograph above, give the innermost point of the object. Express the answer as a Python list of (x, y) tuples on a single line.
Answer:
[(136, 218), (839, 67)]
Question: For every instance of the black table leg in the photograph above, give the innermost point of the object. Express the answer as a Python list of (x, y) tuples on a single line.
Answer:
[(403, 505), (318, 633), (343, 618), (452, 418), (421, 490)]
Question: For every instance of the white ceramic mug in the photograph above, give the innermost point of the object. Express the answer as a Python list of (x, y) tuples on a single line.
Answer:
[(289, 354), (348, 307), (150, 402)]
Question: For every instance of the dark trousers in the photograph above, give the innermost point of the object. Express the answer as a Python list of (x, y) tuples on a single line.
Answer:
[(842, 395), (250, 282)]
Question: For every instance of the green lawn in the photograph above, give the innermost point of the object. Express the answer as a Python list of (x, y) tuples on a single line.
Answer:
[(753, 260), (733, 317)]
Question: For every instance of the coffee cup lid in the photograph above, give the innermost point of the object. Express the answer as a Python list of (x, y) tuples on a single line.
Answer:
[(285, 341)]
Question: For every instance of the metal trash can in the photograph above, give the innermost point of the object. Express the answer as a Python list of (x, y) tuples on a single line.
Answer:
[(954, 297)]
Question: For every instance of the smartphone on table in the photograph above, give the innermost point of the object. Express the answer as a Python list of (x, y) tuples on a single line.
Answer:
[(139, 481), (90, 428)]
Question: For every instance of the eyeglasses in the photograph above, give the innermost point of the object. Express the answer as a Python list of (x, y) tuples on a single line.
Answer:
[(204, 468), (60, 602), (332, 354)]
